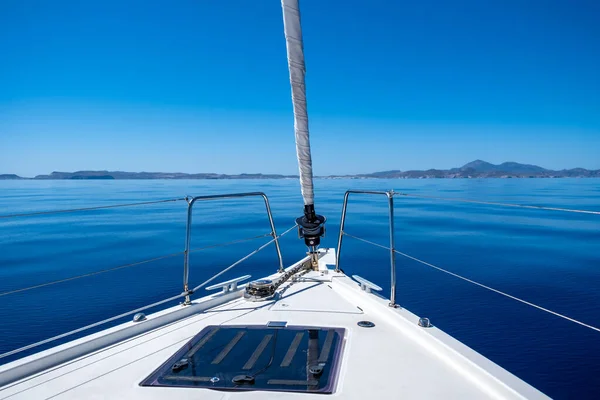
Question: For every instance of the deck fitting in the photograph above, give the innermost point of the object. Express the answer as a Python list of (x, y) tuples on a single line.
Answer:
[(139, 317), (365, 324), (425, 323)]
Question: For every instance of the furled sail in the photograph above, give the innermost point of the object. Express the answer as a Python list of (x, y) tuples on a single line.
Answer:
[(295, 55), (311, 224)]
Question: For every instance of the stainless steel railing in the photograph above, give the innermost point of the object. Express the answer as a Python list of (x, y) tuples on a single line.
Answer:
[(390, 196), (188, 236), (393, 251), (186, 253), (187, 292)]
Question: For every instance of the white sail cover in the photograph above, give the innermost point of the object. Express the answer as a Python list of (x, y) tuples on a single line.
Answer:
[(295, 56)]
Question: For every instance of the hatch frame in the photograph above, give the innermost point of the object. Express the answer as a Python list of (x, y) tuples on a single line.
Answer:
[(202, 373)]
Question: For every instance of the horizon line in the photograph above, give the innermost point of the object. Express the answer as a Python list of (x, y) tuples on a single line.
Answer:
[(292, 175)]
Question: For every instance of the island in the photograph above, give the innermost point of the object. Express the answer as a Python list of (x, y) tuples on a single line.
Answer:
[(474, 169)]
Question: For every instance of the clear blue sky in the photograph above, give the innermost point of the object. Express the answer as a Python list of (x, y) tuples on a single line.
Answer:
[(202, 86)]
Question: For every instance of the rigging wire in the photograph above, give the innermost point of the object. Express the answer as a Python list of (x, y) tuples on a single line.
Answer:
[(479, 284), (116, 317), (72, 278), (31, 214), (492, 203), (206, 282), (184, 294)]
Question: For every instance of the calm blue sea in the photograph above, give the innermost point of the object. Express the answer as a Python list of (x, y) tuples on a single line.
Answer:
[(549, 258)]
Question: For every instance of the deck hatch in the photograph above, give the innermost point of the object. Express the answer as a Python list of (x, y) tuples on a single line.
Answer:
[(289, 359)]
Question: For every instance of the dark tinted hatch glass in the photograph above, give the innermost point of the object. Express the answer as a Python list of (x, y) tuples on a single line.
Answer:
[(292, 358)]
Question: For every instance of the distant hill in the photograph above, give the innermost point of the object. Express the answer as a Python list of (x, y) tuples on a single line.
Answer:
[(474, 169), (483, 169), (9, 176), (506, 167), (153, 175)]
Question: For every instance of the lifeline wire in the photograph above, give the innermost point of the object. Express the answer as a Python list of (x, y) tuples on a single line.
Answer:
[(206, 282), (88, 208), (479, 284), (72, 278), (491, 203), (141, 308)]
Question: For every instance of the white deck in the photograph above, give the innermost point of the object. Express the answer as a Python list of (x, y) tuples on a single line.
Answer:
[(395, 359)]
